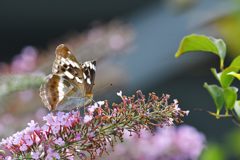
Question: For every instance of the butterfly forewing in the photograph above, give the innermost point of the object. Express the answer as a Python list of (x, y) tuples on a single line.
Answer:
[(70, 84)]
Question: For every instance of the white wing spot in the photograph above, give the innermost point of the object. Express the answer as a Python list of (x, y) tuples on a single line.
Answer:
[(87, 64), (93, 67), (84, 76), (78, 80), (64, 61), (88, 81), (76, 65), (68, 74), (71, 62), (60, 90)]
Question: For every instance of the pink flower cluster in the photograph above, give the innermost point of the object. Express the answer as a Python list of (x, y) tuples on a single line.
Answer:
[(42, 142), (24, 62), (183, 143), (8, 119), (70, 136)]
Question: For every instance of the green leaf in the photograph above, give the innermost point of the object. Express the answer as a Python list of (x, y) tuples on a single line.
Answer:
[(213, 152), (237, 108), (236, 62), (194, 42), (234, 74), (230, 96), (217, 94), (231, 72), (226, 79)]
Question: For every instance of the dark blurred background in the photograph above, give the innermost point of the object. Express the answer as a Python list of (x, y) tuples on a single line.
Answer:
[(38, 23), (155, 29)]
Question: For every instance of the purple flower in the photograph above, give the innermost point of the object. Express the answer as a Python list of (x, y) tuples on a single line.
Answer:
[(59, 141), (92, 108), (87, 118), (167, 143), (55, 129), (116, 42), (69, 155), (49, 118), (62, 118), (78, 137), (32, 126), (25, 61), (17, 138), (23, 147), (65, 135), (190, 141), (51, 154), (35, 155), (28, 140), (8, 158), (45, 128)]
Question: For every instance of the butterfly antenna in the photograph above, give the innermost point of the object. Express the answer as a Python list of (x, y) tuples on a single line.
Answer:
[(104, 87)]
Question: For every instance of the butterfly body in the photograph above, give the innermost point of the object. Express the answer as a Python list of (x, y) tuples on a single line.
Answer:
[(70, 84)]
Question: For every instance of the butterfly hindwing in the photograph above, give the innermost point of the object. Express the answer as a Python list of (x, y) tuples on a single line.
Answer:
[(50, 93), (57, 90)]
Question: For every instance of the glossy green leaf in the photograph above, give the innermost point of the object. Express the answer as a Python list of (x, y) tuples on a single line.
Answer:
[(236, 62), (230, 96), (226, 79), (194, 42), (237, 108), (228, 74), (234, 74), (217, 94)]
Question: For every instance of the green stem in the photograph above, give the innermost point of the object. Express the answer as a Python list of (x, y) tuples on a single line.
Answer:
[(221, 64)]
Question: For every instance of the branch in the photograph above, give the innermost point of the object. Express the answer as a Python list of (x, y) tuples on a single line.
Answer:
[(13, 83)]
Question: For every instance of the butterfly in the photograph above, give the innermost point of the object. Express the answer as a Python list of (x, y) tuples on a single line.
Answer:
[(71, 83)]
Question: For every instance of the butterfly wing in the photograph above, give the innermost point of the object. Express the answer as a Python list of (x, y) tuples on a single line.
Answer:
[(70, 85), (53, 90), (56, 91), (89, 69), (64, 60), (82, 75), (67, 66)]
